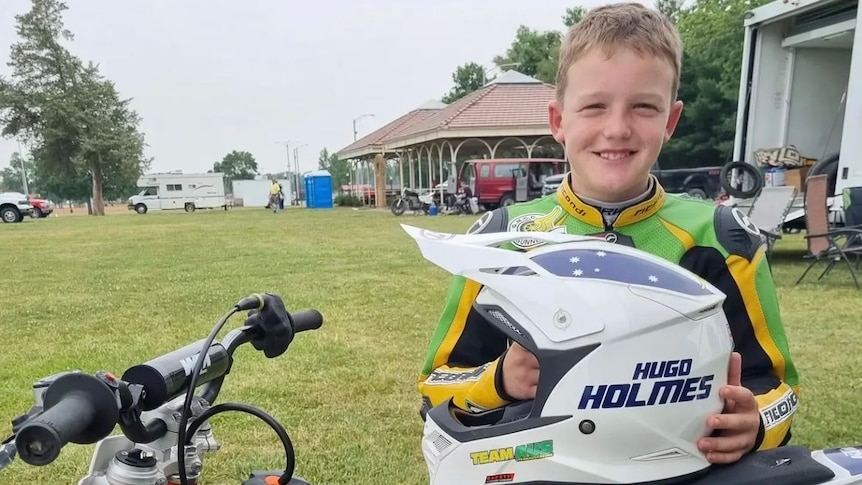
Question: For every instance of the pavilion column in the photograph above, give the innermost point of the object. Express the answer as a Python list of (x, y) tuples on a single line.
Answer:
[(380, 180)]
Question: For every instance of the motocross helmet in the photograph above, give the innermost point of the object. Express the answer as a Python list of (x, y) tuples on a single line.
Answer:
[(632, 352)]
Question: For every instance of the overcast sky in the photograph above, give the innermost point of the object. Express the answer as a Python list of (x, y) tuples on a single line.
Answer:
[(211, 76)]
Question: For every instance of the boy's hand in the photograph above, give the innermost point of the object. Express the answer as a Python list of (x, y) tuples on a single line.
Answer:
[(737, 425), (520, 373)]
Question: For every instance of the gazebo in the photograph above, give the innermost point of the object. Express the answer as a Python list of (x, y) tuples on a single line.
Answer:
[(506, 118)]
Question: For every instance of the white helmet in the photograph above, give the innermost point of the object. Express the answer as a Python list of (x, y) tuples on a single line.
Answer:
[(632, 350)]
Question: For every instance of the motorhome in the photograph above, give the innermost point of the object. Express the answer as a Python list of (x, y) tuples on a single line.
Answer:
[(801, 86), (171, 191)]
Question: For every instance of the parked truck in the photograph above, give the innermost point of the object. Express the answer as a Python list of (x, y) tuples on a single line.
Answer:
[(14, 206), (801, 86)]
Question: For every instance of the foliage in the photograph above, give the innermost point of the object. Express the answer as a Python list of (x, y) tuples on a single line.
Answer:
[(533, 53), (236, 165), (466, 78), (347, 200), (712, 33), (338, 169), (72, 117), (12, 179)]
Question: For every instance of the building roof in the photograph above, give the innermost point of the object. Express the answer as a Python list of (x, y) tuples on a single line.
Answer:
[(373, 141), (511, 105)]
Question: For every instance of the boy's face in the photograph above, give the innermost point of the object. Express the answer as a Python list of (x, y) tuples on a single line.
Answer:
[(615, 115)]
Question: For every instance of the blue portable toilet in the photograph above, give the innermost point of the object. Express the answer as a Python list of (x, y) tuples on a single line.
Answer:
[(318, 190)]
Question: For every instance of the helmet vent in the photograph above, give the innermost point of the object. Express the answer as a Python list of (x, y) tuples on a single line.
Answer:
[(441, 443), (499, 316)]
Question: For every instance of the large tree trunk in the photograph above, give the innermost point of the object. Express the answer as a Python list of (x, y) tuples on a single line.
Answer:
[(98, 201)]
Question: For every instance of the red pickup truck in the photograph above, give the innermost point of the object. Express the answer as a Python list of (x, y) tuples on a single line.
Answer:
[(41, 207), (505, 181)]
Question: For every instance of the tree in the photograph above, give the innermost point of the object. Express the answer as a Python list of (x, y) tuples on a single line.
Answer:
[(712, 36), (574, 15), (236, 165), (63, 182), (533, 53), (338, 169), (672, 9), (467, 78), (111, 148), (70, 114), (12, 179), (712, 32)]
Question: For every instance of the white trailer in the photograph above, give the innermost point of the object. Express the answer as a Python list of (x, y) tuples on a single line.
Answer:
[(170, 191), (255, 193), (801, 85)]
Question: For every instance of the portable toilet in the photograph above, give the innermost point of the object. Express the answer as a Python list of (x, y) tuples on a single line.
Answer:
[(318, 190)]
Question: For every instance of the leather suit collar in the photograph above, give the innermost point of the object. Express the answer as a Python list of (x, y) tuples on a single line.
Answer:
[(584, 212)]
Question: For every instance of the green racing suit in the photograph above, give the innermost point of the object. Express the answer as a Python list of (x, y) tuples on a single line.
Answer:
[(717, 243)]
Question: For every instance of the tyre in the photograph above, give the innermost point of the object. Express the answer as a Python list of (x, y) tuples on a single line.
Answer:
[(189, 207), (507, 200), (399, 206), (141, 209), (36, 213), (828, 166), (697, 193), (10, 214), (745, 183)]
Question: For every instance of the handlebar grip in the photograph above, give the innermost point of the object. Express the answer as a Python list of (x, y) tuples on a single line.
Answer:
[(78, 408), (306, 320)]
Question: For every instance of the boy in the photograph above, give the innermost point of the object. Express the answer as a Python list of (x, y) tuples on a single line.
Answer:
[(615, 106)]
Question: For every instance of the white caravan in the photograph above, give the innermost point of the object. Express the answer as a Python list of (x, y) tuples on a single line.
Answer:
[(801, 85), (168, 191)]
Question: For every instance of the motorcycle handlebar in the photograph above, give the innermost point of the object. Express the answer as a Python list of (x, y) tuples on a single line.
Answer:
[(306, 320), (78, 408), (83, 409), (168, 376)]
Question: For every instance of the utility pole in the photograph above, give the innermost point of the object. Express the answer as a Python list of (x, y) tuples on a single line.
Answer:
[(287, 149), (23, 169), (298, 176)]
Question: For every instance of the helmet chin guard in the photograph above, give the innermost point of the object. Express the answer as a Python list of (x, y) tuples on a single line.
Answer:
[(632, 351)]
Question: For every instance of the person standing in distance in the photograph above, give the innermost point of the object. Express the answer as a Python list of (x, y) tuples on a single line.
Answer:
[(615, 106)]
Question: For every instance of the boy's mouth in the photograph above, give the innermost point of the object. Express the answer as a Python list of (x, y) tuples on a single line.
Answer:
[(615, 154)]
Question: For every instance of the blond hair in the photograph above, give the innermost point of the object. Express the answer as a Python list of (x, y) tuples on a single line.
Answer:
[(630, 25)]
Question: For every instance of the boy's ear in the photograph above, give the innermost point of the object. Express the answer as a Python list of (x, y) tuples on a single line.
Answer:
[(673, 120), (555, 121)]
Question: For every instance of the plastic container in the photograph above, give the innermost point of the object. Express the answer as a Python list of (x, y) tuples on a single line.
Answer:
[(775, 177)]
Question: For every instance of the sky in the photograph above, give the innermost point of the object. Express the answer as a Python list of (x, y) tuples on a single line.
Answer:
[(212, 76)]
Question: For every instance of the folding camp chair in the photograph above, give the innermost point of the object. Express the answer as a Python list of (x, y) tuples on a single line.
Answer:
[(825, 243), (768, 211)]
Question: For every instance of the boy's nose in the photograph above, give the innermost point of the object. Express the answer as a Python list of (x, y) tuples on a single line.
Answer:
[(617, 126)]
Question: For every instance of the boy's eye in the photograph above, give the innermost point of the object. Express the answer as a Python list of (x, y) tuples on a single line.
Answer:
[(647, 106)]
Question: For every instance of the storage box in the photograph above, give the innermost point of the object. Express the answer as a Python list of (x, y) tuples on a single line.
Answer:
[(795, 177)]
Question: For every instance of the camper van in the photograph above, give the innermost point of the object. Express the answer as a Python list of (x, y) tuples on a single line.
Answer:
[(170, 191), (801, 86)]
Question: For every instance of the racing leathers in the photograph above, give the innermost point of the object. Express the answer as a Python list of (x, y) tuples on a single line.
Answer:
[(720, 244)]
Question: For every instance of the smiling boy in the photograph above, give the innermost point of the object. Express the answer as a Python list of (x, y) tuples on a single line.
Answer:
[(615, 106)]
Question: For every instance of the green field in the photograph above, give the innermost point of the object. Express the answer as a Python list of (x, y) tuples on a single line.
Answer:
[(107, 293)]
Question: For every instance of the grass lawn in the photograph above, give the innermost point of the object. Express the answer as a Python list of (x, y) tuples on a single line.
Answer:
[(108, 293)]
